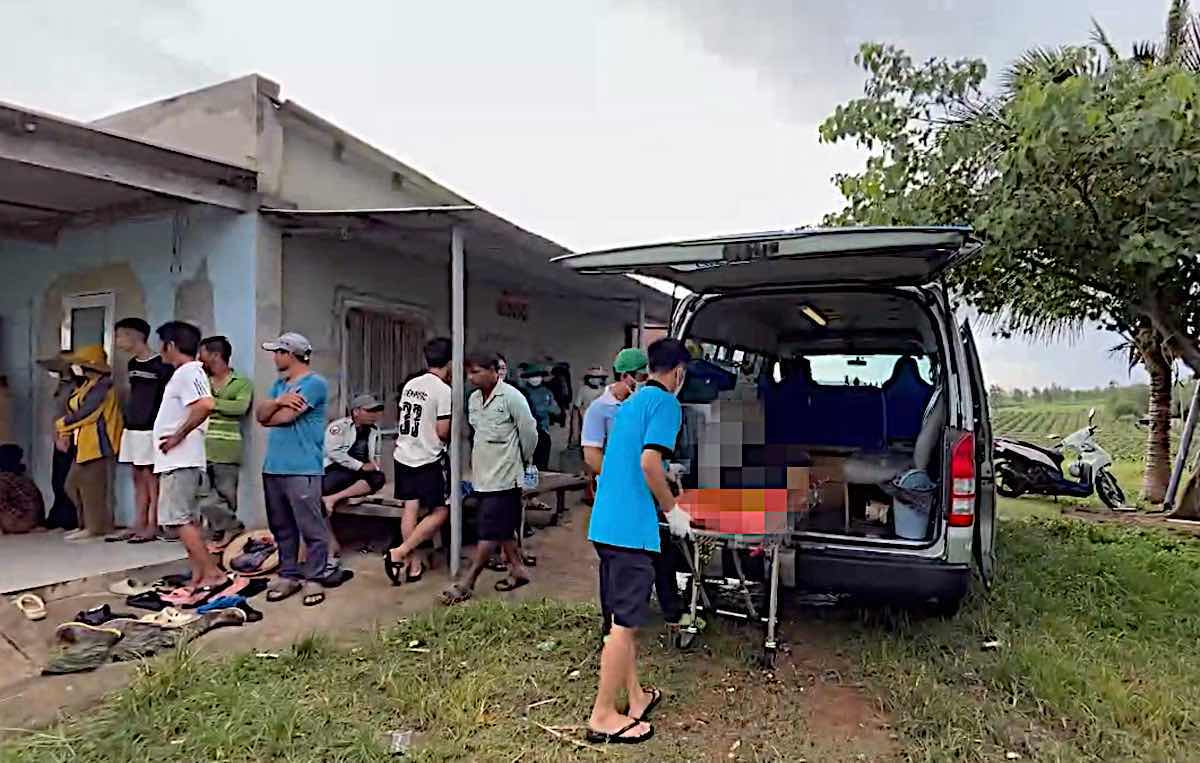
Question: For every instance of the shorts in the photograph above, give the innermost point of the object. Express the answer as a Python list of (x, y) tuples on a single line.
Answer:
[(499, 514), (427, 484), (626, 578), (137, 447), (337, 478), (177, 504)]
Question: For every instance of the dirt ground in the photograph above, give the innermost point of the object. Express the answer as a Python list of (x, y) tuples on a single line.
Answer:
[(812, 683)]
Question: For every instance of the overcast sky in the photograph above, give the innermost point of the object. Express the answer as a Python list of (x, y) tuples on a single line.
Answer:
[(592, 122)]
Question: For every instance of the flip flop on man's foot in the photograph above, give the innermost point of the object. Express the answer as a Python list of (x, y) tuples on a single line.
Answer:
[(656, 697), (119, 537), (510, 584), (621, 735), (457, 593), (395, 570), (282, 588), (313, 594)]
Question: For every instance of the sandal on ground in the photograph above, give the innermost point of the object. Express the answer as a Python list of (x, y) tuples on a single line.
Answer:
[(618, 737), (31, 605), (202, 594), (135, 538), (337, 577), (510, 584), (120, 537), (413, 577), (130, 587), (656, 697), (456, 594), (496, 564), (283, 588), (395, 570), (313, 595)]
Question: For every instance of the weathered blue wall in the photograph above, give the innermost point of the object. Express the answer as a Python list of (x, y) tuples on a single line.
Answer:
[(196, 249)]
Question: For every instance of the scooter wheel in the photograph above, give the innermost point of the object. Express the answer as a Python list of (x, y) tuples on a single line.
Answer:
[(1109, 490)]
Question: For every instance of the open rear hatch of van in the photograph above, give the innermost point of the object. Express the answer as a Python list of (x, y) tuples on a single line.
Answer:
[(806, 257)]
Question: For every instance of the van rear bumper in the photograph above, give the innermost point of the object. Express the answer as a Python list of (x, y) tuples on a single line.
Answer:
[(882, 578)]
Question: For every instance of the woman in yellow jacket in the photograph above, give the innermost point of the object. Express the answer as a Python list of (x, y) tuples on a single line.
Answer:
[(93, 419)]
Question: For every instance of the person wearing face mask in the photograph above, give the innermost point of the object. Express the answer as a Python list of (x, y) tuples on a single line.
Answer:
[(93, 422), (593, 387), (543, 406), (624, 528)]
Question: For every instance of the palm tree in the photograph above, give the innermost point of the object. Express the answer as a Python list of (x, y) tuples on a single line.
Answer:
[(1180, 46)]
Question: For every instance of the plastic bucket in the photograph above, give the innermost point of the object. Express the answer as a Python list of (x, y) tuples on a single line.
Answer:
[(911, 521)]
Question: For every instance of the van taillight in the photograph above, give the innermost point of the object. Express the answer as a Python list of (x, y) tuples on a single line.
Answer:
[(962, 482)]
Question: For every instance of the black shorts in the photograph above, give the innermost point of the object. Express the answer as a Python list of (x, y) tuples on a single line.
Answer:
[(499, 514), (337, 478), (626, 577), (424, 484)]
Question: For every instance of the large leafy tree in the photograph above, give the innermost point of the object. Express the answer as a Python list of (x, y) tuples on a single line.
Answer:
[(1081, 174)]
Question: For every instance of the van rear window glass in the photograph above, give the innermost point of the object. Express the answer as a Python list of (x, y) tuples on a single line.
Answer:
[(860, 370)]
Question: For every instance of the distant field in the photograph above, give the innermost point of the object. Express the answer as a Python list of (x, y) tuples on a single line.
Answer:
[(1037, 421)]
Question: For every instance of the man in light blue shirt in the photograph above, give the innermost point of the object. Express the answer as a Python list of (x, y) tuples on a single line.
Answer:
[(624, 528), (293, 469)]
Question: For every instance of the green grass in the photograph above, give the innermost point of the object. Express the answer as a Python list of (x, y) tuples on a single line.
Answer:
[(1098, 625), (1098, 628)]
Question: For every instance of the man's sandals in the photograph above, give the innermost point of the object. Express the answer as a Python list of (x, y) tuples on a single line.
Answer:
[(510, 584), (619, 736), (397, 572)]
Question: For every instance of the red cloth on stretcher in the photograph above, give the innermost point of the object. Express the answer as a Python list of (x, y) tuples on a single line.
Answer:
[(737, 511)]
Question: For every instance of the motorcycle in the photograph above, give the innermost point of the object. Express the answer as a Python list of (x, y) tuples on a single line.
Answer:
[(1025, 468)]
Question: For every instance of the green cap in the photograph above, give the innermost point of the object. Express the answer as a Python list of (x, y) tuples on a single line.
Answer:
[(630, 360)]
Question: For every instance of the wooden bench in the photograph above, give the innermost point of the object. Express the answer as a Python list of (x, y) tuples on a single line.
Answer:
[(381, 504)]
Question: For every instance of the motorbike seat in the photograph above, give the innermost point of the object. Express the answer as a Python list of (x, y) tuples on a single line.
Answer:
[(1055, 455)]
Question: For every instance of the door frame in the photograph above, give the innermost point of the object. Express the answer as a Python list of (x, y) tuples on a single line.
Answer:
[(106, 299)]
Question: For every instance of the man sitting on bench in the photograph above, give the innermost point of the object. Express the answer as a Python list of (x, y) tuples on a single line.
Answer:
[(352, 454)]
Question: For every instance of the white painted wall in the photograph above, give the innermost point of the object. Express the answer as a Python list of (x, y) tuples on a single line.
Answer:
[(318, 271)]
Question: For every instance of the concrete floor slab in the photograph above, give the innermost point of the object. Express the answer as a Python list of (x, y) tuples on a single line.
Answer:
[(37, 560)]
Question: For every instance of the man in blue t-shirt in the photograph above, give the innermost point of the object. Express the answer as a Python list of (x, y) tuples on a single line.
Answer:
[(292, 471), (624, 529)]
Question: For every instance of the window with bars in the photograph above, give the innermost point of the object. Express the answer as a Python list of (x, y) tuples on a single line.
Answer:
[(383, 350)]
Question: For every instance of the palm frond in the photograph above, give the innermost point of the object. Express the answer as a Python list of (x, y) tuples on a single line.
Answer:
[(1054, 64), (1100, 37), (1177, 20), (1189, 45), (1145, 52)]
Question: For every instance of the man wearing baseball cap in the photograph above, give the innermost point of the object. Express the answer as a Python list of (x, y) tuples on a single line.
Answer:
[(352, 453), (293, 469)]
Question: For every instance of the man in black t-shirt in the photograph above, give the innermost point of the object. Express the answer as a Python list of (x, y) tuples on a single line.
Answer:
[(148, 375)]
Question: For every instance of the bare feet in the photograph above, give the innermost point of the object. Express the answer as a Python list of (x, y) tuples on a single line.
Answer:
[(328, 503)]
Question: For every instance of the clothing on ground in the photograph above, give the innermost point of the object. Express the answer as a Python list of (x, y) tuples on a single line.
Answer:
[(177, 501), (186, 386), (89, 486), (350, 445), (298, 448), (21, 504), (337, 478), (92, 419), (218, 498), (231, 401), (147, 381), (624, 513), (80, 649), (424, 401), (295, 513), (597, 420), (504, 438)]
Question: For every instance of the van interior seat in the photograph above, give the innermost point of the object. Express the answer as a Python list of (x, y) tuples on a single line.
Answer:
[(799, 411), (905, 396)]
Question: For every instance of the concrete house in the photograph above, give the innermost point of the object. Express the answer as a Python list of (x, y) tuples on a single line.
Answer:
[(246, 214)]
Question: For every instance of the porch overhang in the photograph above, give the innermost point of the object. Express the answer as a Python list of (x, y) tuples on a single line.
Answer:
[(459, 231), (55, 172)]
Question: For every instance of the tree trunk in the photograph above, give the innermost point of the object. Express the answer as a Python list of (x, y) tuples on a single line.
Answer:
[(1158, 436)]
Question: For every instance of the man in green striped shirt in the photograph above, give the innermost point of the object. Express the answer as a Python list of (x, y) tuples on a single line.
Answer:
[(223, 442)]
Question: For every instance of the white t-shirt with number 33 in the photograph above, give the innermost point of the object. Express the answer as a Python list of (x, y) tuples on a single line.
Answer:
[(423, 401)]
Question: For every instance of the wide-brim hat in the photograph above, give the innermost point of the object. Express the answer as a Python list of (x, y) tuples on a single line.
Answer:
[(237, 547), (90, 356)]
